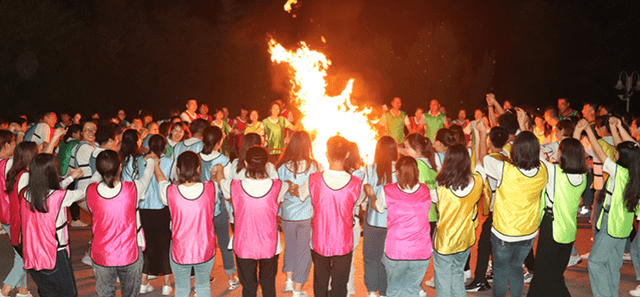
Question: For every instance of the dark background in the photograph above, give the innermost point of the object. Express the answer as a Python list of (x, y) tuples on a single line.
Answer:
[(154, 54)]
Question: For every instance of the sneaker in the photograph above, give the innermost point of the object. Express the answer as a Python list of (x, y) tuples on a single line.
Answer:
[(584, 213), (372, 294), (145, 288), (150, 277), (477, 286), (299, 294), (235, 283), (626, 257), (78, 224), (574, 260), (635, 292), (166, 290), (430, 283), (288, 286), (87, 260), (584, 256), (23, 295), (528, 277), (2, 231), (422, 293), (467, 274)]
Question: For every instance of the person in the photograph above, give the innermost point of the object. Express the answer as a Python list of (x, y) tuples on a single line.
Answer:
[(564, 109), (44, 232), (393, 120), (192, 206), (515, 210), (80, 156), (541, 129), (190, 115), (256, 239), (155, 220), (193, 144), (334, 193), (106, 139), (225, 147), (122, 118), (255, 126), (209, 157), (129, 151), (415, 124), (238, 127), (379, 174), (117, 237), (458, 192), (407, 248), (73, 137), (616, 221), (463, 122), (176, 134), (203, 112), (65, 120), (152, 128), (274, 127), (16, 277), (498, 137), (552, 119), (296, 164), (42, 132), (287, 114), (434, 120), (558, 228)]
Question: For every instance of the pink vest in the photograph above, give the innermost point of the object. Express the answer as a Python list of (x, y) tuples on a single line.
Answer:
[(40, 241), (333, 215), (408, 223), (5, 206), (193, 235), (256, 233), (15, 225), (114, 226)]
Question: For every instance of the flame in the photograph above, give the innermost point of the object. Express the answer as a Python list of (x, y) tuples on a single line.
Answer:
[(289, 4), (324, 116)]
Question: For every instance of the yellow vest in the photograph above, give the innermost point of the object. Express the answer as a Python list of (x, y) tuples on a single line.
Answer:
[(456, 228), (517, 203), (487, 192)]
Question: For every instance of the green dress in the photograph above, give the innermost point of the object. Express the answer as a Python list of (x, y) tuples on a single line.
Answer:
[(275, 134), (432, 125)]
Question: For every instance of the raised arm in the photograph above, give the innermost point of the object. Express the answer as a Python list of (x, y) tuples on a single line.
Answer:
[(57, 133), (481, 143), (523, 122), (597, 149), (618, 132), (493, 105)]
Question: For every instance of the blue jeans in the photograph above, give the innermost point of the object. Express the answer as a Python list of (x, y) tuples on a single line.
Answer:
[(182, 277), (16, 277), (57, 282), (404, 277), (605, 261), (508, 258), (449, 273)]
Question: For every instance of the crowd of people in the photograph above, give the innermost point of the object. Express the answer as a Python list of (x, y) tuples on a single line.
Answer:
[(163, 196)]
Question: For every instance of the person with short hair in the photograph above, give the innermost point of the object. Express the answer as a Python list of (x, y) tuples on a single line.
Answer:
[(564, 109), (190, 114), (434, 120), (394, 120)]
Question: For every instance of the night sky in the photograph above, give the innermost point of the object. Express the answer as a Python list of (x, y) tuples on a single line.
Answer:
[(86, 56)]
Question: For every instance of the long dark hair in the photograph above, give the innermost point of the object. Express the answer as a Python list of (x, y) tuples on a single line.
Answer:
[(386, 153), (129, 149), (299, 149), (456, 172), (157, 144), (353, 161), (572, 156), (256, 158), (22, 156), (211, 136), (629, 157), (423, 146), (44, 176), (446, 137), (188, 164), (249, 140), (525, 151), (108, 164)]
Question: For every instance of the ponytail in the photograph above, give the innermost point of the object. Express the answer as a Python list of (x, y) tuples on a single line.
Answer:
[(629, 158)]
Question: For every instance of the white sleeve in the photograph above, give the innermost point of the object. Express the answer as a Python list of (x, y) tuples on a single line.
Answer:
[(434, 195), (381, 202), (407, 122), (143, 182), (72, 196), (162, 188), (225, 188), (184, 117), (7, 167), (283, 190), (271, 171), (609, 166), (66, 182), (493, 167)]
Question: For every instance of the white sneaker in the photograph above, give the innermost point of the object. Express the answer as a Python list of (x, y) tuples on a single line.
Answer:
[(635, 292), (422, 293), (626, 257), (166, 290), (585, 256), (430, 283), (299, 294), (23, 295), (372, 294), (87, 259), (288, 286), (467, 274), (528, 277), (145, 288), (150, 277), (234, 284), (78, 224), (574, 260)]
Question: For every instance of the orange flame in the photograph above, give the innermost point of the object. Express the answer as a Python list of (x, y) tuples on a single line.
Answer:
[(323, 115), (289, 4)]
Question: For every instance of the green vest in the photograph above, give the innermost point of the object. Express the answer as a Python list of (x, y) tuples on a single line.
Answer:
[(428, 177), (64, 154), (395, 126), (225, 147), (275, 134), (620, 221), (432, 125), (566, 200)]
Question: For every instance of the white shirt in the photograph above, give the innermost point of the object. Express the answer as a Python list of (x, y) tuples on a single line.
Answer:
[(42, 134)]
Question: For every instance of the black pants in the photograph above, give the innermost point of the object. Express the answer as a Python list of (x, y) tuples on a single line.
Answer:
[(589, 193), (484, 250), (337, 268), (551, 262), (57, 282), (247, 273), (74, 210)]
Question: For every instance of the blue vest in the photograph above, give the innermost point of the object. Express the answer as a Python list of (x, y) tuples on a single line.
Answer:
[(205, 175), (375, 218), (292, 209), (152, 195), (130, 170)]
